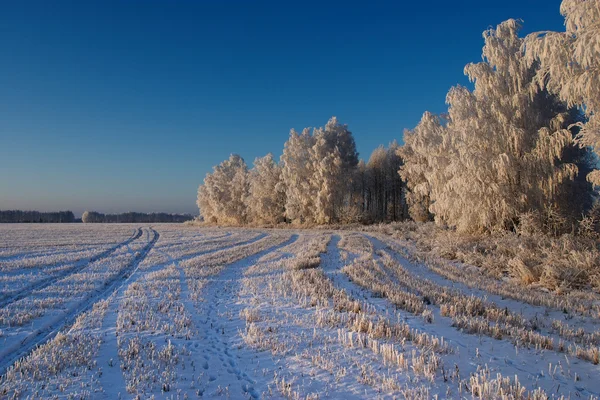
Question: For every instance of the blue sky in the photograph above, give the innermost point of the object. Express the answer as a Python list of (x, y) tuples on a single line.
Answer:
[(126, 105)]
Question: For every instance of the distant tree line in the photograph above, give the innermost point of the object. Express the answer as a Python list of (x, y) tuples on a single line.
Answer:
[(18, 216), (130, 217)]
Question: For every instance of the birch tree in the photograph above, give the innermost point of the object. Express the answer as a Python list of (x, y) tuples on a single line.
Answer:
[(335, 160), (422, 146), (266, 196), (379, 187), (222, 197), (569, 65), (296, 174), (394, 188), (327, 179), (500, 150), (376, 179), (317, 173)]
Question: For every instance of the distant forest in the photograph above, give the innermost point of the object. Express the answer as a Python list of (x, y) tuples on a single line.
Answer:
[(16, 216), (19, 216), (96, 217)]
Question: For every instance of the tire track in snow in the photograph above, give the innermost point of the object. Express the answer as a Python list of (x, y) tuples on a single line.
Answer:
[(50, 330), (52, 252), (205, 252), (185, 291), (217, 330), (471, 348), (78, 267), (541, 316), (112, 380), (537, 316), (199, 239)]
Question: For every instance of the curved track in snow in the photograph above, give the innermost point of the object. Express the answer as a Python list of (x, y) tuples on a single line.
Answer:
[(79, 266), (49, 331)]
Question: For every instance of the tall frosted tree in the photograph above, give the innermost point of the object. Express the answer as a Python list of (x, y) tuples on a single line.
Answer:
[(384, 199), (394, 189), (338, 135), (500, 150), (296, 174), (569, 65), (266, 195), (204, 203), (222, 197), (317, 173), (422, 146), (360, 190), (335, 161), (327, 179), (376, 167)]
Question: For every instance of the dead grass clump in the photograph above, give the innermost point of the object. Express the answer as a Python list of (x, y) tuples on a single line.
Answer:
[(564, 262), (307, 263), (591, 354), (519, 258), (366, 273), (250, 315), (264, 338), (482, 386)]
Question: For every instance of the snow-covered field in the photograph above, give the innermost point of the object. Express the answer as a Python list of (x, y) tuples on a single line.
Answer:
[(169, 311)]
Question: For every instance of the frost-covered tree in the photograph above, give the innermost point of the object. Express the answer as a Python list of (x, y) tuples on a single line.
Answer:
[(90, 216), (222, 197), (385, 201), (376, 179), (418, 154), (327, 180), (204, 203), (317, 173), (335, 160), (266, 195), (394, 189), (338, 136), (296, 174), (377, 189), (360, 190), (569, 65), (499, 152)]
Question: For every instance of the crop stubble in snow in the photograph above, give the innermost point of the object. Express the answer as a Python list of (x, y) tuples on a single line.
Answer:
[(170, 311)]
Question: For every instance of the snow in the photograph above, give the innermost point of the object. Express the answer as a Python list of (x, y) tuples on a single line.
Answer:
[(182, 312)]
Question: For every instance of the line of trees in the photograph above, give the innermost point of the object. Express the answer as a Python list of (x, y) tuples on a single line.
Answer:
[(319, 180), (18, 216), (522, 145), (133, 217), (505, 148)]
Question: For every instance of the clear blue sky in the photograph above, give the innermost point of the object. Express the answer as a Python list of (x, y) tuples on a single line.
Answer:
[(126, 105)]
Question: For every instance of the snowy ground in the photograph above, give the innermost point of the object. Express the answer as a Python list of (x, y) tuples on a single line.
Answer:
[(168, 311)]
